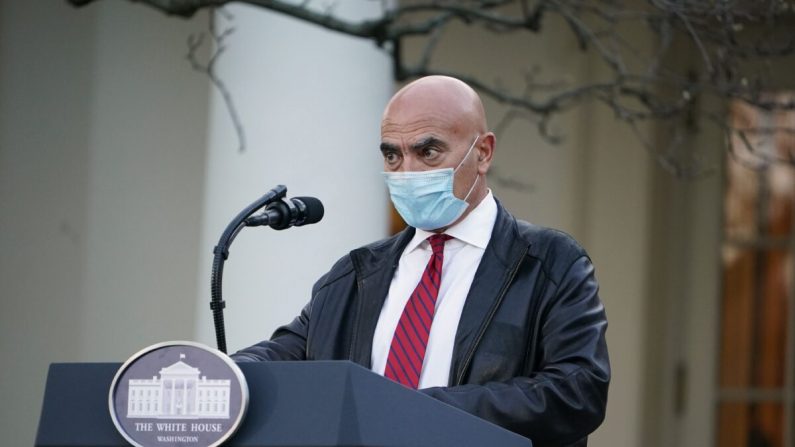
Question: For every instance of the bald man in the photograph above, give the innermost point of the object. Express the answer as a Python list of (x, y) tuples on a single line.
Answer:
[(469, 305)]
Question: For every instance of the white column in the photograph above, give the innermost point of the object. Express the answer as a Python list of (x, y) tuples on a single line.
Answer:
[(196, 389), (311, 102), (184, 396), (173, 396), (161, 398)]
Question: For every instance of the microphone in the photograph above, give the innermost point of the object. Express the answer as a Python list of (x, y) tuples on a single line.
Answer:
[(286, 213)]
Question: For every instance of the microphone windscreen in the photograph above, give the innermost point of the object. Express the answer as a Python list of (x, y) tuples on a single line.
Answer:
[(314, 209)]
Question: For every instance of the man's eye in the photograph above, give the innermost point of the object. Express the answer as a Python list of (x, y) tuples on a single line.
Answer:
[(391, 157), (430, 153)]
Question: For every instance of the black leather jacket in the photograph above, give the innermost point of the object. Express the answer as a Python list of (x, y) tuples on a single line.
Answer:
[(530, 352)]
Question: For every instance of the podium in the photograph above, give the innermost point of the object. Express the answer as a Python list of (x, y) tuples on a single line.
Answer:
[(318, 403)]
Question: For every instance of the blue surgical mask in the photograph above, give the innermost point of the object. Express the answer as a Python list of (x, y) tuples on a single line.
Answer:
[(425, 199)]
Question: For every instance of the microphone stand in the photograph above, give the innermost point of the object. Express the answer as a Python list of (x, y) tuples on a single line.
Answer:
[(221, 253)]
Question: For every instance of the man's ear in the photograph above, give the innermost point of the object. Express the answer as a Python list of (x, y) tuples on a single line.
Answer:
[(486, 147)]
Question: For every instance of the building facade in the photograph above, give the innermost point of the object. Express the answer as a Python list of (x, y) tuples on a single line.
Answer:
[(179, 393)]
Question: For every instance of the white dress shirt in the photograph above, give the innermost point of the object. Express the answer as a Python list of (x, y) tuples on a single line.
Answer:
[(462, 256)]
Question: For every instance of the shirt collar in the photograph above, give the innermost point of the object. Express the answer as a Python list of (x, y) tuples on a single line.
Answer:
[(474, 230)]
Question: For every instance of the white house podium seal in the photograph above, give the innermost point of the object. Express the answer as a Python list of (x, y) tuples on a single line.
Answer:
[(178, 394)]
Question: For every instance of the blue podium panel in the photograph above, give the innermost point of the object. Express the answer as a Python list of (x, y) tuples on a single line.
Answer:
[(75, 410), (291, 404)]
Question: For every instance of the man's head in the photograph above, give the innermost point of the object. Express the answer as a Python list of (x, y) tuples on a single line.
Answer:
[(431, 124)]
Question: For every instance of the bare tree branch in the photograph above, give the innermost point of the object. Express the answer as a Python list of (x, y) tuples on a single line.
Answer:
[(733, 40), (195, 42)]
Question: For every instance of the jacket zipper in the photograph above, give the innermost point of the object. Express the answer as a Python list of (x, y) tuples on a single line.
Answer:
[(503, 291)]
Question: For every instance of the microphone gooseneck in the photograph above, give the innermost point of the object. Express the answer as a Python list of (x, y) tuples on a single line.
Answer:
[(279, 213)]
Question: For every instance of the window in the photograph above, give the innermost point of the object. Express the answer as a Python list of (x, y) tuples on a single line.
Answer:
[(756, 370)]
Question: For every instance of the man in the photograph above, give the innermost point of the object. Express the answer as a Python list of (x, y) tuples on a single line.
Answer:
[(477, 309)]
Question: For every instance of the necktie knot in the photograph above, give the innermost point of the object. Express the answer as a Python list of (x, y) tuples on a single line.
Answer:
[(437, 242)]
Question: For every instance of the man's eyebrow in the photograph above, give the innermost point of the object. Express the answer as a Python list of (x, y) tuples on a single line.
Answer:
[(418, 146), (429, 141), (389, 147)]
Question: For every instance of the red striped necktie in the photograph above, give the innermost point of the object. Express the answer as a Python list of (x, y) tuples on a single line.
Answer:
[(407, 351)]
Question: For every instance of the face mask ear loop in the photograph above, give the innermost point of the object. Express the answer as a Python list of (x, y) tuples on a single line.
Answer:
[(477, 177), (467, 154)]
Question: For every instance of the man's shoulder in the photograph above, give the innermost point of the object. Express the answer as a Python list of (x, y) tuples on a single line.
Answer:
[(366, 255), (556, 250), (546, 241), (386, 244)]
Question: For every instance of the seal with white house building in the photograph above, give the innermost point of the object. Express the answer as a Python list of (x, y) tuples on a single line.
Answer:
[(178, 394)]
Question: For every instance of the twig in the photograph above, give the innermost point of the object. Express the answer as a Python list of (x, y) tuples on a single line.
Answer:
[(195, 42)]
